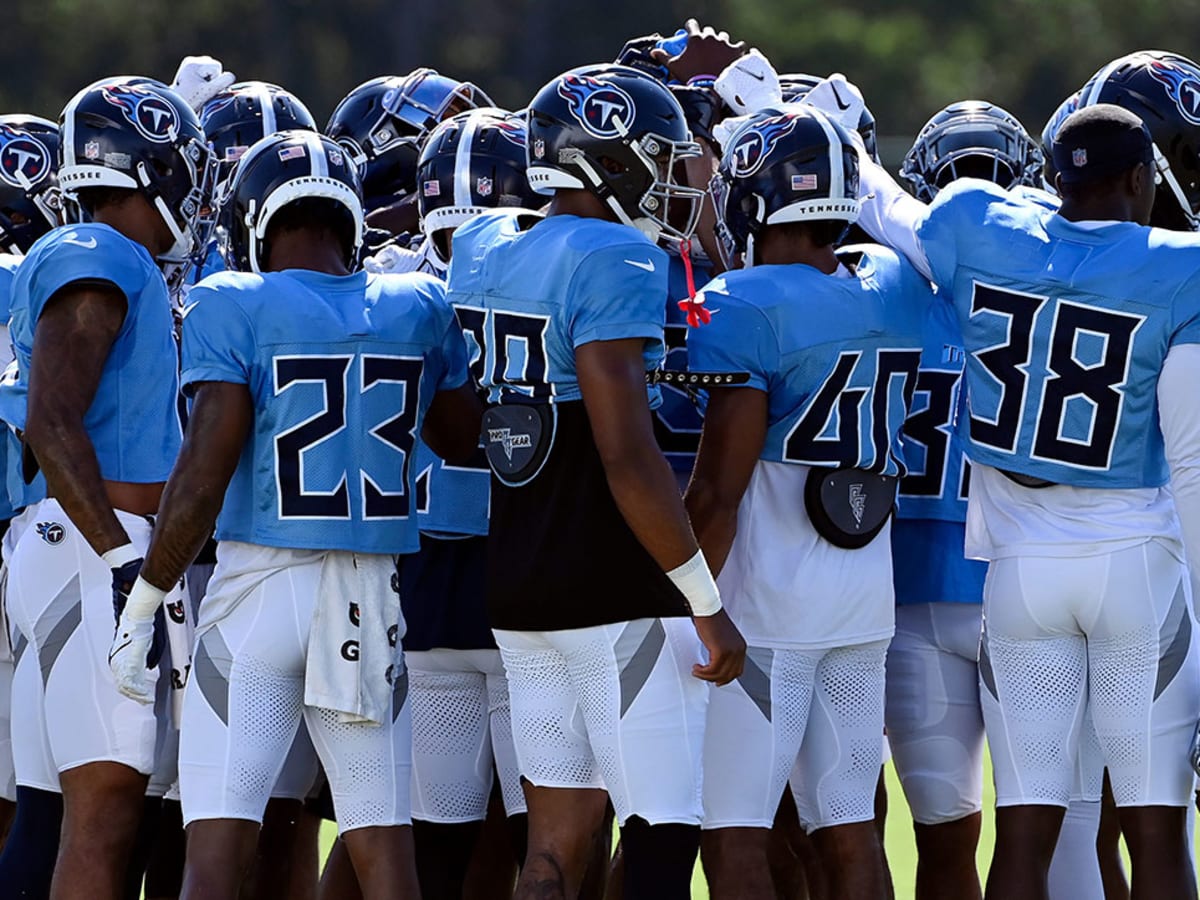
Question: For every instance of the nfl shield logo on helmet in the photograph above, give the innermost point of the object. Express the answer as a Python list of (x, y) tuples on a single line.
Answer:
[(335, 157), (1079, 157), (483, 186), (92, 149), (539, 148)]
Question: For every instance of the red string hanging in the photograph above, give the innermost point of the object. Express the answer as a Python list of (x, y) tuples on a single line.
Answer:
[(697, 315)]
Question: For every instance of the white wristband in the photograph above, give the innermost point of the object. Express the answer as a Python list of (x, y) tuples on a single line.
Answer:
[(118, 556), (696, 584), (144, 600)]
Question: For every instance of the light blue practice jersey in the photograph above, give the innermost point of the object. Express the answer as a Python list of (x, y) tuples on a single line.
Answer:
[(928, 563), (133, 422), (1066, 326), (531, 297), (837, 357), (341, 370)]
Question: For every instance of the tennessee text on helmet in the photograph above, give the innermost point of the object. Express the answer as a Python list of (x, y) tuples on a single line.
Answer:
[(137, 134), (280, 169), (791, 164)]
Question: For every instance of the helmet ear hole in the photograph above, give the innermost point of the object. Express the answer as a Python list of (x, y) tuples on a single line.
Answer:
[(611, 166)]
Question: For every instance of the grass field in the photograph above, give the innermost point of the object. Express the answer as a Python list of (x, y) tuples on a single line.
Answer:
[(901, 850)]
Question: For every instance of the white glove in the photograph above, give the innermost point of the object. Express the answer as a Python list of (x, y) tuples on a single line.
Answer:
[(391, 260), (131, 644), (724, 130), (748, 84), (838, 99), (199, 79)]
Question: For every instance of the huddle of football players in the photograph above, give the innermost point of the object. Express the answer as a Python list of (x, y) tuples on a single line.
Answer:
[(475, 479)]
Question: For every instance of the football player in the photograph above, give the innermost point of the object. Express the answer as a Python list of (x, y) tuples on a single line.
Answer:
[(816, 608), (383, 123), (310, 386), (30, 205), (934, 722), (462, 730), (1080, 338), (95, 397), (592, 569)]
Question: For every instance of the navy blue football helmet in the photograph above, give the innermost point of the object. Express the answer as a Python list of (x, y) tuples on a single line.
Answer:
[(282, 168), (1049, 172), (30, 204), (971, 138), (1163, 89), (137, 134), (471, 163), (246, 113), (796, 85), (618, 133), (384, 122), (784, 165)]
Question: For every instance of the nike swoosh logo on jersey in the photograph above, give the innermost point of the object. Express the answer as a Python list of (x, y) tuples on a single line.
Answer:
[(755, 77), (648, 265), (89, 244), (187, 309), (837, 98)]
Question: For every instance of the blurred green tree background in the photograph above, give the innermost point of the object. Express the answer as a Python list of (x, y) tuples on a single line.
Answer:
[(910, 58)]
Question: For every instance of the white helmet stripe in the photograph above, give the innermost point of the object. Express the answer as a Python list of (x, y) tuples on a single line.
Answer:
[(316, 150), (837, 175), (462, 161), (267, 105)]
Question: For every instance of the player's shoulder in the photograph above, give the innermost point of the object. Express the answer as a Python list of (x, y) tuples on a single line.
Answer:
[(883, 270), (89, 250), (406, 289), (599, 241)]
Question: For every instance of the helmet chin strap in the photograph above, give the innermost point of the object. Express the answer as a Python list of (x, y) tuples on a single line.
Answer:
[(183, 241), (647, 226)]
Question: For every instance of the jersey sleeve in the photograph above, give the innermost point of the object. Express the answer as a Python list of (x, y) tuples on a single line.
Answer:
[(889, 214), (618, 292), (88, 255), (954, 215), (738, 339), (453, 350), (218, 338)]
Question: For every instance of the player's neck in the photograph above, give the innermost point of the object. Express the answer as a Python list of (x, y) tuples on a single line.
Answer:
[(137, 220), (1102, 209), (301, 249), (779, 248), (579, 203)]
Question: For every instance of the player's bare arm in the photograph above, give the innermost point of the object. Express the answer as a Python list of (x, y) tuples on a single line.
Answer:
[(71, 344), (451, 428), (613, 381), (735, 428), (217, 429)]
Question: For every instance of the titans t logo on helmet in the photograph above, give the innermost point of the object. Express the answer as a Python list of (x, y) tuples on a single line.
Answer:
[(603, 110), (514, 132), (1182, 85), (756, 141), (24, 160), (153, 117)]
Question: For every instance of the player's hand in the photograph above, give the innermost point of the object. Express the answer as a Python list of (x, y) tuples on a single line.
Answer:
[(726, 648), (123, 579), (199, 79), (128, 658), (707, 52), (838, 99), (748, 84)]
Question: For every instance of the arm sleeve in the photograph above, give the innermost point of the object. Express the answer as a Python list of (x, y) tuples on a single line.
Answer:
[(218, 339), (1179, 417), (738, 339), (890, 215), (619, 292)]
